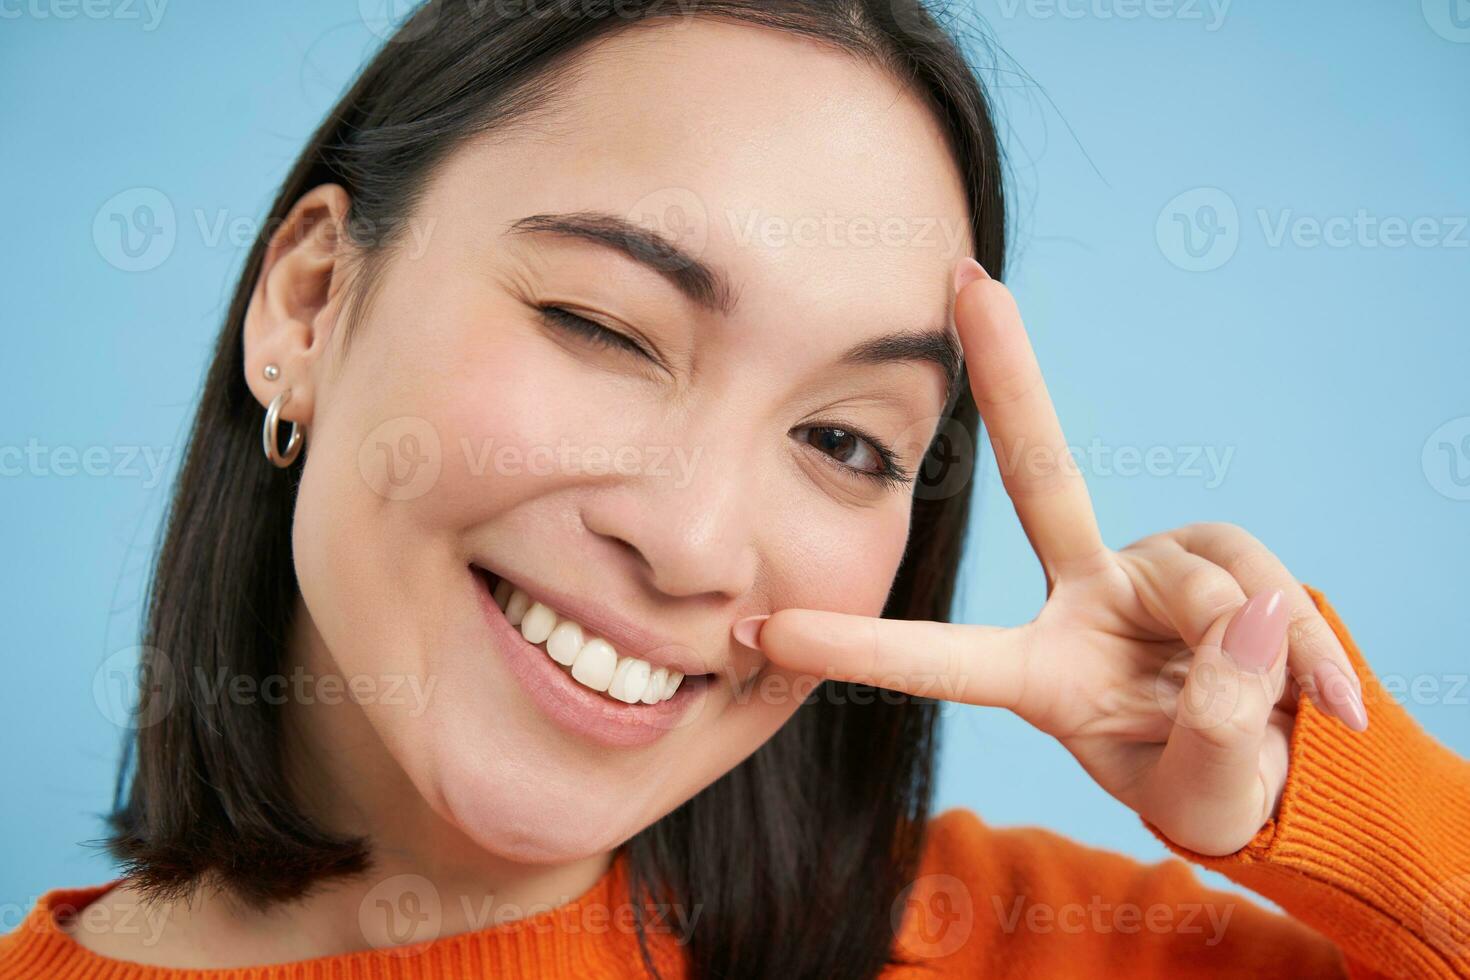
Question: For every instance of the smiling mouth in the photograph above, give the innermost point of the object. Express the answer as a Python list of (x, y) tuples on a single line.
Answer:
[(589, 660)]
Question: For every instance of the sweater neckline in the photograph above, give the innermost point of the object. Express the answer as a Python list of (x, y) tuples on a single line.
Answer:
[(580, 937)]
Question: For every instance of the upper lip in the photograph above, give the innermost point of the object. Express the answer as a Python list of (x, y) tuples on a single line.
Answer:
[(628, 638)]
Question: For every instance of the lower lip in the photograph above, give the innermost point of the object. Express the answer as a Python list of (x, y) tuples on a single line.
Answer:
[(579, 709)]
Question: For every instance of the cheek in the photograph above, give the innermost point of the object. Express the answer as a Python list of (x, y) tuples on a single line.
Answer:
[(839, 559), (434, 423), (429, 431), (499, 413)]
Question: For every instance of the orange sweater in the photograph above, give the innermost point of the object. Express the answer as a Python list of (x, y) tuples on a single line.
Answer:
[(1370, 856)]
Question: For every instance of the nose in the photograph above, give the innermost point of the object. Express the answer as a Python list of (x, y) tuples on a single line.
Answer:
[(687, 526)]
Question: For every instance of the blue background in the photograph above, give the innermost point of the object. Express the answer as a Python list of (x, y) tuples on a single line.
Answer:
[(1323, 370)]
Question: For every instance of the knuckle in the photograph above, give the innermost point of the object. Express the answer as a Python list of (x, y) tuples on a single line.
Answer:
[(1308, 630), (1217, 720), (1206, 588), (1229, 721), (1253, 564), (1228, 732), (1204, 529), (1224, 531)]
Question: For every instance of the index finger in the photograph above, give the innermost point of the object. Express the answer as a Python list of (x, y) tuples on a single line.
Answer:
[(1040, 475), (982, 665)]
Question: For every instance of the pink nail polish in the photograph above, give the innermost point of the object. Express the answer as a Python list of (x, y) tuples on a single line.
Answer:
[(1338, 695), (748, 630), (1254, 635), (966, 271)]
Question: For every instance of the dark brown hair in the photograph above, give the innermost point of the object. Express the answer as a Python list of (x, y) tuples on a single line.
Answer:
[(796, 856)]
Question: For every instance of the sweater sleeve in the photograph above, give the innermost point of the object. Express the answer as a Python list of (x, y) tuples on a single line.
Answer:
[(1371, 843), (1026, 902), (1369, 855)]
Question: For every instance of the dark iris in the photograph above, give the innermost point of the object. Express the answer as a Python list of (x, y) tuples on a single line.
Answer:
[(837, 443)]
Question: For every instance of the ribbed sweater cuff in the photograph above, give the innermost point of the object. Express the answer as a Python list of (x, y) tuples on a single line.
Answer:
[(1371, 843)]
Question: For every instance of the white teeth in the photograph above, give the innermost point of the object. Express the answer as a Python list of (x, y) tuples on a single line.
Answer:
[(630, 680), (516, 607), (593, 661), (653, 691), (538, 623), (595, 664), (564, 642)]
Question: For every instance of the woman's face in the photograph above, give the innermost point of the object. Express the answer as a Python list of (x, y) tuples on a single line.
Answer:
[(703, 445)]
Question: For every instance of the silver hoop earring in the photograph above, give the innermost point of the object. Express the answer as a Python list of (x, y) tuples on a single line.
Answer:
[(269, 435)]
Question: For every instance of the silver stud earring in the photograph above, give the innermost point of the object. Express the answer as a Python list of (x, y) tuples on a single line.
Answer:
[(272, 372)]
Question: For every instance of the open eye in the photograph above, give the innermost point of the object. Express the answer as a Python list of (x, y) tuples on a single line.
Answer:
[(591, 331), (855, 452)]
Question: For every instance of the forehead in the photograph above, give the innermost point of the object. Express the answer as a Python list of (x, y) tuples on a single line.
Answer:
[(810, 176)]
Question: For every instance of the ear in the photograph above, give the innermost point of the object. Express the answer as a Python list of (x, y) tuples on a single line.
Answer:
[(297, 297)]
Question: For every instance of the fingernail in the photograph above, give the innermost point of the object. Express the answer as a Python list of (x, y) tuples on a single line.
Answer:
[(1254, 636), (966, 271), (1337, 693), (748, 630)]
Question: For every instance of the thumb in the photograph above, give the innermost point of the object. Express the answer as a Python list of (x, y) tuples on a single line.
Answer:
[(949, 661), (1208, 780)]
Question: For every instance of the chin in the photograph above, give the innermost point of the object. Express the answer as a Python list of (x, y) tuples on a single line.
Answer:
[(529, 814)]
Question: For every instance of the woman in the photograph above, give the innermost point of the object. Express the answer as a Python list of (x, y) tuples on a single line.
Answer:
[(618, 355)]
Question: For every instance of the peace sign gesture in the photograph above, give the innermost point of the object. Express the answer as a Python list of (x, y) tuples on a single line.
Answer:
[(1170, 669)]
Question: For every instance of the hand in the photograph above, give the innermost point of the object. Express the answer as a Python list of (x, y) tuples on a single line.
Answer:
[(1163, 667)]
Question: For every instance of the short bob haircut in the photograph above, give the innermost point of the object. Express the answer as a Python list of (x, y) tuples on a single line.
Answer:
[(795, 857)]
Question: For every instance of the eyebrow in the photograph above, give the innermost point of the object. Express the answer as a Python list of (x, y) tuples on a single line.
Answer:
[(709, 288), (937, 346), (701, 283)]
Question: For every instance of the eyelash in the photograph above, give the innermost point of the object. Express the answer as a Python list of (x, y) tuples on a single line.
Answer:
[(591, 331), (891, 473)]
